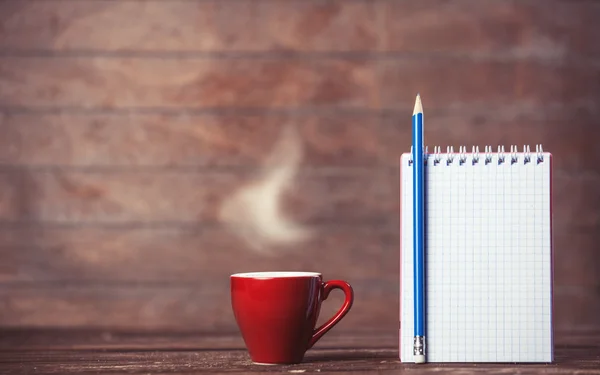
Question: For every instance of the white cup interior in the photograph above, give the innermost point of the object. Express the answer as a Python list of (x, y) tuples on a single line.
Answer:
[(271, 275)]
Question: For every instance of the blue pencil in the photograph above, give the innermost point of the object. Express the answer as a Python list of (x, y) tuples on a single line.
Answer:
[(418, 231)]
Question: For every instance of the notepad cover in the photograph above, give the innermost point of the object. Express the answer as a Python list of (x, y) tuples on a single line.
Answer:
[(488, 245)]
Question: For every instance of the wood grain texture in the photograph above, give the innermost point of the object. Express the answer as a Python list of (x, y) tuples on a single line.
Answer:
[(183, 140), (175, 26), (576, 261), (125, 124), (574, 306), (122, 306), (462, 83), (580, 197), (88, 350), (546, 30), (94, 338), (186, 82), (500, 29), (114, 83), (200, 306), (178, 254), (208, 308), (354, 196), (220, 140), (151, 196)]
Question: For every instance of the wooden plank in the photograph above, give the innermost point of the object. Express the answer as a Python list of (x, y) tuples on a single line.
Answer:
[(48, 352), (205, 307), (45, 342), (576, 203), (576, 306), (364, 196), (119, 83), (190, 255), (119, 306), (34, 340), (467, 83), (569, 134), (501, 29), (198, 255), (192, 196), (138, 139), (320, 26), (365, 358), (181, 25), (178, 255), (109, 82), (576, 261), (37, 340), (377, 360), (184, 140), (517, 29), (340, 352)]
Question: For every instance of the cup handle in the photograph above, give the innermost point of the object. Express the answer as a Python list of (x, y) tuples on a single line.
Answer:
[(328, 286)]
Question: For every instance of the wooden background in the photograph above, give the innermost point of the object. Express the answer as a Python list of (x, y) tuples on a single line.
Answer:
[(124, 123)]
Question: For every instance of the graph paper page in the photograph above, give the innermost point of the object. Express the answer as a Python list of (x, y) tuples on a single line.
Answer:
[(488, 260)]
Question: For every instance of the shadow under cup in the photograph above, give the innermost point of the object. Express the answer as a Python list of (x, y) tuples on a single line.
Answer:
[(277, 312)]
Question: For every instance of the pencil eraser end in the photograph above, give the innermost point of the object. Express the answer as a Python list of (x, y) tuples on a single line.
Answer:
[(419, 359)]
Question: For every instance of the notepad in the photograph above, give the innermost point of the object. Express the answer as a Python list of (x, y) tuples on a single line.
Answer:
[(488, 251)]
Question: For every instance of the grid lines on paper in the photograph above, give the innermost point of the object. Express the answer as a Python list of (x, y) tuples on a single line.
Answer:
[(488, 260), (406, 266)]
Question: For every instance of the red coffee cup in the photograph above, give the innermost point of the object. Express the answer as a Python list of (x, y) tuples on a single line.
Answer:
[(277, 312)]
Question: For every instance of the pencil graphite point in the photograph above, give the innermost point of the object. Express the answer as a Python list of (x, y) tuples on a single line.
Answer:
[(418, 105)]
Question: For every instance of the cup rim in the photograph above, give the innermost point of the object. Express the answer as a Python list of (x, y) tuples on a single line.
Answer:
[(275, 274)]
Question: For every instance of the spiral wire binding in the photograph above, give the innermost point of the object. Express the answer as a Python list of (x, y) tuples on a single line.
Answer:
[(475, 153), (450, 152), (514, 158), (501, 155), (462, 151), (527, 152), (437, 150), (488, 155), (539, 153)]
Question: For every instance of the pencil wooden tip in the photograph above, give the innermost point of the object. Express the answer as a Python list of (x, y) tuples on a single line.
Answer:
[(418, 105)]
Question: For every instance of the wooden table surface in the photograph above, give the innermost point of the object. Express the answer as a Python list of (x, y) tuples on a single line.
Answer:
[(109, 352)]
